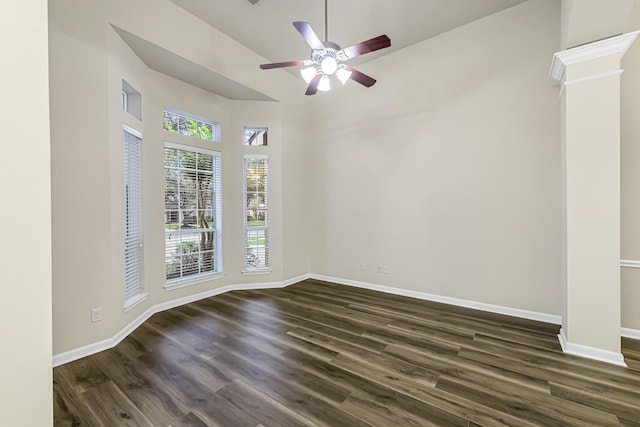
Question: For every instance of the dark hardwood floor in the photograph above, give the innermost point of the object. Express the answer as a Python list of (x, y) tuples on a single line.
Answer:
[(320, 354)]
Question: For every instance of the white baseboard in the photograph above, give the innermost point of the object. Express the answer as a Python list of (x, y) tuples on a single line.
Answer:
[(631, 333), (629, 263), (78, 353), (515, 312), (612, 357)]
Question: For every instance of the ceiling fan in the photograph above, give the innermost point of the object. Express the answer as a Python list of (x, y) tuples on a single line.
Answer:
[(327, 58)]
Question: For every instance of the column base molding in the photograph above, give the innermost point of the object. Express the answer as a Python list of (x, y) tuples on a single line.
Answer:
[(615, 358)]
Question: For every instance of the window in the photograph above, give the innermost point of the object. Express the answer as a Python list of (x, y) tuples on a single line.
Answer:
[(133, 283), (193, 214), (190, 125), (256, 213), (131, 100), (255, 135)]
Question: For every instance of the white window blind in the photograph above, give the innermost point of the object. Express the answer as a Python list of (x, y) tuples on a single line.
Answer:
[(193, 213), (256, 213), (133, 217)]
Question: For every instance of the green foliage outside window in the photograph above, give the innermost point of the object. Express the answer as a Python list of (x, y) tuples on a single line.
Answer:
[(178, 123)]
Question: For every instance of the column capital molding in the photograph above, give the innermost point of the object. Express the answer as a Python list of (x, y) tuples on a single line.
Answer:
[(617, 45)]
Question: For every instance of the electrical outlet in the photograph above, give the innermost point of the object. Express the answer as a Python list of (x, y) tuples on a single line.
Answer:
[(96, 314), (363, 266), (380, 269), (385, 269)]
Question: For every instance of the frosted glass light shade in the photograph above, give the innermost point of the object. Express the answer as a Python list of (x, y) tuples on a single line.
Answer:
[(308, 74), (325, 84), (329, 65), (343, 75)]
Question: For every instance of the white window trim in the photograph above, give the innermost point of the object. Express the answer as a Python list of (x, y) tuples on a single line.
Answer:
[(132, 131), (192, 280), (255, 271), (195, 279), (135, 301)]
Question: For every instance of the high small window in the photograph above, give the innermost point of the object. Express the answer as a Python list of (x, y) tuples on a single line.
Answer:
[(190, 125), (133, 283), (255, 135), (131, 100), (256, 213), (193, 214)]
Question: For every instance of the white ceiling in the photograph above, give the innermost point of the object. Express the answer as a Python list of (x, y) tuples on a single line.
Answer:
[(169, 63), (267, 29)]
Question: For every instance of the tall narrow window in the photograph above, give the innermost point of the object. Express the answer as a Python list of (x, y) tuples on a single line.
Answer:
[(193, 214), (133, 283), (256, 213)]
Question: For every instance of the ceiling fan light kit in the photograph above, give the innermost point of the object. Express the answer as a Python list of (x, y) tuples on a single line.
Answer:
[(327, 59)]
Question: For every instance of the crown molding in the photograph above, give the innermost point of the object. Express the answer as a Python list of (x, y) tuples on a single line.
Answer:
[(617, 45)]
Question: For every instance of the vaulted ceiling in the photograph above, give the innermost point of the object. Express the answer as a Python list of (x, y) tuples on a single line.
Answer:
[(266, 26), (266, 29)]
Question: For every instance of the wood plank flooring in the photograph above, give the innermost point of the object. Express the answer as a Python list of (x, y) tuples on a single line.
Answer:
[(321, 354)]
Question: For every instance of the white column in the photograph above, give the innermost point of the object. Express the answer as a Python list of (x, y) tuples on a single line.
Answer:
[(590, 91)]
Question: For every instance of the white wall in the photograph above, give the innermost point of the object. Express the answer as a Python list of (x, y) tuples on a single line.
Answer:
[(25, 253), (88, 62), (585, 21), (447, 170)]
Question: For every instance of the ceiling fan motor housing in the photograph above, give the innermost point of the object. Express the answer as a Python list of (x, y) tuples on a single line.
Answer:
[(330, 49)]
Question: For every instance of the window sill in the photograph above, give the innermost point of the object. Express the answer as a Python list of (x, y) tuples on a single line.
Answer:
[(188, 281), (134, 301), (256, 272)]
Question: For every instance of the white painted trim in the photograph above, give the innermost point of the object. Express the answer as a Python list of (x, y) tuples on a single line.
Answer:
[(295, 280), (516, 312), (256, 272), (594, 77), (589, 79), (135, 301), (132, 131), (627, 263), (615, 358), (195, 279), (612, 46), (563, 340), (193, 148), (78, 353), (631, 333), (256, 156)]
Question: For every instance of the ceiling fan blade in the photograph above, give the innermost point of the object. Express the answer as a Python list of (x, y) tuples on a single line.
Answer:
[(370, 45), (283, 64), (313, 85), (361, 78), (304, 28)]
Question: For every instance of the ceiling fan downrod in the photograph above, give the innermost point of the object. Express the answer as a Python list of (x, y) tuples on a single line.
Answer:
[(326, 20)]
